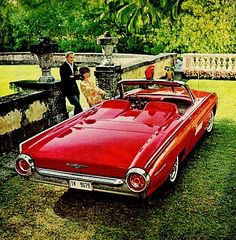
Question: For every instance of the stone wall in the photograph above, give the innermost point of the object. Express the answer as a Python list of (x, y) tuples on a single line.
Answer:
[(8, 58), (128, 62), (136, 69), (25, 114)]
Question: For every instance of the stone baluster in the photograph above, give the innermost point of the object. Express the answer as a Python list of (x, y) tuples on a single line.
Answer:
[(233, 63), (217, 64), (200, 63), (211, 60), (225, 64), (207, 63), (193, 62)]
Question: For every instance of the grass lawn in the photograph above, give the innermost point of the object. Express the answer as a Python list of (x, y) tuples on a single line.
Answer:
[(201, 205), (12, 73)]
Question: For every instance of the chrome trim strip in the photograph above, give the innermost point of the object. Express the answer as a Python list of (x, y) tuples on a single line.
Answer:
[(160, 170), (98, 187), (75, 165), (80, 177)]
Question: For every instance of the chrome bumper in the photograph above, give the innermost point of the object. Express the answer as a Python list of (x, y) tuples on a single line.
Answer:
[(99, 183)]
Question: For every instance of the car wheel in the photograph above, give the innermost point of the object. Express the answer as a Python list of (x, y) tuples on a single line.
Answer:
[(210, 123), (174, 172)]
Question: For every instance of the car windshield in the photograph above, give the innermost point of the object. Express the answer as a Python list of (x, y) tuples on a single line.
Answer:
[(153, 88)]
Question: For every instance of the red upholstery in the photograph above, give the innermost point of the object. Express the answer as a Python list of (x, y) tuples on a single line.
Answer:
[(161, 106), (157, 113), (110, 109), (119, 104)]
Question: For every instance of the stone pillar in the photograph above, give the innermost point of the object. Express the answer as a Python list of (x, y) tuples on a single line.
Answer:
[(107, 73), (107, 78)]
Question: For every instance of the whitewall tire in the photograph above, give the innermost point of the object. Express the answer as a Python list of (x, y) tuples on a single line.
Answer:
[(210, 123), (174, 172)]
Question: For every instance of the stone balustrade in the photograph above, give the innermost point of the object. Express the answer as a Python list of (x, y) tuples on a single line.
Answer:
[(22, 115), (217, 66)]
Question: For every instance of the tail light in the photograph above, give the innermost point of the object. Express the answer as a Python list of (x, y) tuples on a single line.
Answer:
[(137, 180), (24, 165)]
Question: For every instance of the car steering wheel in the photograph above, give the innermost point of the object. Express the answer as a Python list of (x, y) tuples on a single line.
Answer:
[(135, 104)]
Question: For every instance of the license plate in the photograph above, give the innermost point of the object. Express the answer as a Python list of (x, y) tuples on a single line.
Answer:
[(80, 185)]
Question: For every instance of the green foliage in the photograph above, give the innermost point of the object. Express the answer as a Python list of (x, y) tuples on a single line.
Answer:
[(136, 15), (207, 27), (154, 26), (66, 22), (203, 27)]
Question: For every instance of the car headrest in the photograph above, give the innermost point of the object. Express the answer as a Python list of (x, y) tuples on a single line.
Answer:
[(116, 104), (161, 106)]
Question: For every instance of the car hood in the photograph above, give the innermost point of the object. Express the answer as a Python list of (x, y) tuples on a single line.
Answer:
[(105, 147)]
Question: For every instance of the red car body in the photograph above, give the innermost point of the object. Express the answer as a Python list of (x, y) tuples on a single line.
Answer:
[(128, 145)]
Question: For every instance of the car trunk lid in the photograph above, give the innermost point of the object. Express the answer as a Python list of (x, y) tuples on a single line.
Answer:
[(102, 148)]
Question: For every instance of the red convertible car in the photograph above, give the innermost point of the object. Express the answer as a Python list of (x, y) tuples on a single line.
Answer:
[(128, 145)]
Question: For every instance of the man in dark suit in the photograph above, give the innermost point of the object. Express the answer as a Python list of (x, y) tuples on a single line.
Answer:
[(69, 75)]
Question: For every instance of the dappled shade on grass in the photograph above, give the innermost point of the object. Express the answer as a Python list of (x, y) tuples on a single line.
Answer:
[(199, 206)]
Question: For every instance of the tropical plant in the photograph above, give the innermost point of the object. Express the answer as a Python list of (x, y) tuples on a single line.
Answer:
[(138, 14), (205, 27), (143, 26)]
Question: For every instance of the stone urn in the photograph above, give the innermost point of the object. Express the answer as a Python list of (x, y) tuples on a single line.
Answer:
[(108, 43), (44, 51)]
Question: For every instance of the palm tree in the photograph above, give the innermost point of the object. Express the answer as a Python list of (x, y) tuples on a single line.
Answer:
[(136, 14)]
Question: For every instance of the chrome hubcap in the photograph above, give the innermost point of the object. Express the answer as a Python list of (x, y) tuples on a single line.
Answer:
[(174, 171), (211, 122)]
